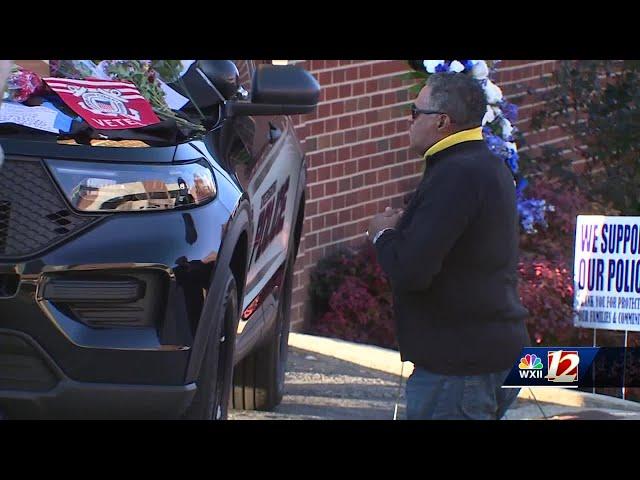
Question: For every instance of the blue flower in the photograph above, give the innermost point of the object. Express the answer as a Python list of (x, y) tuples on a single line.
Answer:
[(512, 161), (468, 65), (509, 110), (443, 67), (533, 212), (522, 184)]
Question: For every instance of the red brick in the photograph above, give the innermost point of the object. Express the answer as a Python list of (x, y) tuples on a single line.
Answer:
[(384, 66), (351, 73), (330, 156), (351, 105), (324, 237), (378, 161), (351, 230), (356, 182), (376, 131), (390, 189), (350, 136), (324, 173), (364, 103), (370, 178), (331, 125), (384, 114), (311, 208), (352, 198), (377, 191), (338, 202), (343, 186), (337, 170), (344, 123), (337, 139), (324, 110), (389, 129), (317, 223), (362, 134), (395, 142), (324, 78), (364, 71), (351, 167), (370, 148), (344, 217), (383, 175), (358, 89), (358, 120), (331, 219), (316, 255), (344, 154), (364, 164), (337, 234), (371, 209), (371, 117), (317, 128), (337, 108), (357, 212), (331, 188), (371, 86), (311, 240), (316, 191), (407, 169), (324, 142), (338, 76), (324, 205), (364, 195), (357, 150), (345, 90), (312, 176)]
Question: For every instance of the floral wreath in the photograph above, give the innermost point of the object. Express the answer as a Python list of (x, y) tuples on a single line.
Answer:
[(497, 127)]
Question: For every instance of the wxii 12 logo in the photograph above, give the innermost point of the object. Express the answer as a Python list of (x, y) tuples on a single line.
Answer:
[(563, 366)]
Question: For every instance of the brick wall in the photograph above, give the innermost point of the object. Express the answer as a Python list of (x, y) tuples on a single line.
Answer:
[(357, 151)]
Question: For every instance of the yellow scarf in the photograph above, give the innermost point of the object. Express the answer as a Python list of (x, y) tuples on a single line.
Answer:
[(454, 139)]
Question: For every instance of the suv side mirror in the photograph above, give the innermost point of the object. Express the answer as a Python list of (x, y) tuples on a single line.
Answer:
[(278, 90), (208, 83)]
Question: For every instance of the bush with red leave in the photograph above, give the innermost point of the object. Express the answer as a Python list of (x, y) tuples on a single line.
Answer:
[(351, 298)]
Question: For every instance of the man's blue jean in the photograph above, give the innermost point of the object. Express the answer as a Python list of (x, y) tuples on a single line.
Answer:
[(431, 396)]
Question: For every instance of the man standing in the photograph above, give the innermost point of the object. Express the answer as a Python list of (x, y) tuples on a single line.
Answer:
[(451, 258)]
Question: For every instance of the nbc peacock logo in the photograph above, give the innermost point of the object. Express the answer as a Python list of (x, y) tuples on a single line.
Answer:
[(530, 366)]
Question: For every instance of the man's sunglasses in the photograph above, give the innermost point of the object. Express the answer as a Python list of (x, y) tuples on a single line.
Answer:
[(415, 111)]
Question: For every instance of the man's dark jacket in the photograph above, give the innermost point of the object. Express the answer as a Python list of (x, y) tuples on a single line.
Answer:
[(452, 263)]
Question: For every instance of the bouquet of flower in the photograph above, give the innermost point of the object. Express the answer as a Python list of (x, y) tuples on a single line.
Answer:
[(498, 128), (22, 84)]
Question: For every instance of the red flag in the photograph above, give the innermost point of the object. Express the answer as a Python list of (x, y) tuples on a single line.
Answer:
[(105, 104)]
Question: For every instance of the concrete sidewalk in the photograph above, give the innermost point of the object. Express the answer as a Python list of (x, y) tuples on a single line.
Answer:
[(552, 402)]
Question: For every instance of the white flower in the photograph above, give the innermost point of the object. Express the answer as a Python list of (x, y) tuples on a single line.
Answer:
[(511, 146), (507, 129), (489, 117), (480, 69), (456, 66), (493, 92), (430, 65)]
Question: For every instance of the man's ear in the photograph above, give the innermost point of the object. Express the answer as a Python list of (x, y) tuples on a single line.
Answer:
[(443, 122)]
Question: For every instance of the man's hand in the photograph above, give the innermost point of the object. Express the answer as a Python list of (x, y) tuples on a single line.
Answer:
[(387, 219)]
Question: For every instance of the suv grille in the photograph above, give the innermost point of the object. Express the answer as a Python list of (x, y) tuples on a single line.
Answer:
[(33, 214)]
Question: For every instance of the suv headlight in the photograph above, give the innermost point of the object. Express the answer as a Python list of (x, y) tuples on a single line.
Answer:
[(115, 187)]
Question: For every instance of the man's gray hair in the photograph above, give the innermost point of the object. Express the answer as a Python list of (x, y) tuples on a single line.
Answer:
[(458, 95)]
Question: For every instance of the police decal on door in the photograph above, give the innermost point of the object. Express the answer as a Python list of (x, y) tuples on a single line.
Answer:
[(271, 219)]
